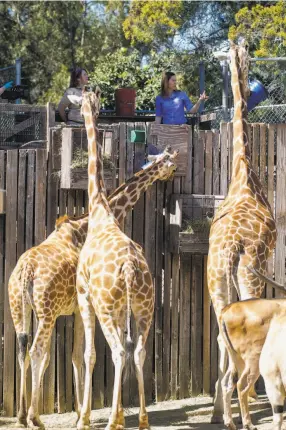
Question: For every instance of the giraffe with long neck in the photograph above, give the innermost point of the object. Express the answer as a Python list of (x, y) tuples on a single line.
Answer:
[(243, 231), (44, 280), (113, 280)]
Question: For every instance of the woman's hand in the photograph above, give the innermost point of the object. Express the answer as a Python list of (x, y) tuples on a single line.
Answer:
[(203, 97)]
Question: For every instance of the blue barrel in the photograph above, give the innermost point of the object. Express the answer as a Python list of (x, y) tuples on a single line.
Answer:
[(258, 93)]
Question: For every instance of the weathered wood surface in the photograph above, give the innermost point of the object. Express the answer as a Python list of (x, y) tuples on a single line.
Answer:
[(178, 137), (182, 353)]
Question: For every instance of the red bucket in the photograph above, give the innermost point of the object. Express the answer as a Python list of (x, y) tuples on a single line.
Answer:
[(125, 101)]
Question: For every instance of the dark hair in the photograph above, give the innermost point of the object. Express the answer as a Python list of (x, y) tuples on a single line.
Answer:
[(165, 81), (75, 75)]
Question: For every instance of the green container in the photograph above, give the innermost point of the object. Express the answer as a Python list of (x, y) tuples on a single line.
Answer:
[(138, 136)]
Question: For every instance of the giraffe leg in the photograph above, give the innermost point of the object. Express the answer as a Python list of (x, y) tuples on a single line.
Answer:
[(88, 318), (139, 358), (248, 378), (24, 361), (45, 362), (120, 417), (228, 385), (38, 363), (118, 358), (217, 416), (77, 360)]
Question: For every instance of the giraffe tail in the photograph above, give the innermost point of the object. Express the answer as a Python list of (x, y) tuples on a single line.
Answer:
[(26, 279), (232, 254), (129, 271)]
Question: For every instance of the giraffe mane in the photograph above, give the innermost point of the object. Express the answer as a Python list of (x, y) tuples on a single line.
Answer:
[(66, 218)]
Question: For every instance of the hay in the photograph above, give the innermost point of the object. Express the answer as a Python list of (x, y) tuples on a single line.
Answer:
[(80, 160), (192, 226)]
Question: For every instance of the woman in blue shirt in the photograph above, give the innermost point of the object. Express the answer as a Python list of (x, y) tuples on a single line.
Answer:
[(172, 103)]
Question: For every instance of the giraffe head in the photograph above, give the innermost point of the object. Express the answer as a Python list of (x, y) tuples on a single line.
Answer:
[(165, 163), (240, 57), (244, 67), (91, 100)]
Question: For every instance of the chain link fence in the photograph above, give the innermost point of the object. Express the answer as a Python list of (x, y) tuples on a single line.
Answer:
[(272, 74)]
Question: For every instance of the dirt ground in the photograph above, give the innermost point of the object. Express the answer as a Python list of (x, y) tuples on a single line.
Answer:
[(193, 413)]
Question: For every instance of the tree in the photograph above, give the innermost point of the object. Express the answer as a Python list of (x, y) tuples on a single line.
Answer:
[(151, 22), (264, 28), (124, 68)]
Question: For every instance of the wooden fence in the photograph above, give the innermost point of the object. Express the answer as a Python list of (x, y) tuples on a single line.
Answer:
[(182, 349)]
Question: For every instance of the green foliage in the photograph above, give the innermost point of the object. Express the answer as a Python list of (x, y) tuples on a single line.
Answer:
[(124, 68), (264, 27), (152, 22)]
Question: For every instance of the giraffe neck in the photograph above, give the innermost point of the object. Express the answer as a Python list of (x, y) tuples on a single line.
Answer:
[(125, 197), (241, 153), (98, 205)]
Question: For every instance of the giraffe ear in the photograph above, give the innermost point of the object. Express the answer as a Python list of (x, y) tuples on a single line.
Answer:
[(60, 221)]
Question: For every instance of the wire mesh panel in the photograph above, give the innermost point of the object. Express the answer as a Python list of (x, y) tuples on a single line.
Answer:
[(7, 74), (272, 75), (20, 124)]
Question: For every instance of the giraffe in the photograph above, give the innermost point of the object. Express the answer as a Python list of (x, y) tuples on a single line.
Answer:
[(113, 280), (44, 280), (243, 231)]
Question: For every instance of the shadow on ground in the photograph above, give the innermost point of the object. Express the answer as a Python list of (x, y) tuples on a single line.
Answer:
[(187, 414)]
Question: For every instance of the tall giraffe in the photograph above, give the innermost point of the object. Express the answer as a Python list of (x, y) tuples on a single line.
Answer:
[(44, 280), (113, 280), (243, 231)]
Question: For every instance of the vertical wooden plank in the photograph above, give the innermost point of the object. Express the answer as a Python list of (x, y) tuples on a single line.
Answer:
[(208, 162), (216, 157), (69, 331), (138, 211), (10, 261), (52, 208), (206, 333), (40, 210), (230, 148), (122, 152), (188, 183), (214, 350), (270, 195), (29, 234), (281, 207), (158, 295), (2, 268), (223, 158), (198, 185), (40, 196), (262, 164), (128, 173), (175, 312), (150, 246), (30, 199), (184, 342), (255, 147), (21, 248), (196, 326), (166, 299), (128, 164), (60, 336), (98, 388)]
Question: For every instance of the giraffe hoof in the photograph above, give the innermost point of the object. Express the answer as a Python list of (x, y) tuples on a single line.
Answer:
[(22, 423), (252, 399), (217, 419), (82, 426), (35, 423)]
